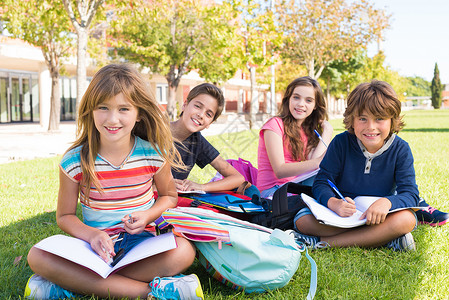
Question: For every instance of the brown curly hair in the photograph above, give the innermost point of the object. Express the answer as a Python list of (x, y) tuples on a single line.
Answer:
[(377, 98)]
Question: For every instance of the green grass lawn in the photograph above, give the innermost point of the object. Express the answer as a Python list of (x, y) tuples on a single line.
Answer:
[(28, 191)]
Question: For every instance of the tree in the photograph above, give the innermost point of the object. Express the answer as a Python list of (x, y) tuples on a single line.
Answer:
[(286, 71), (342, 76), (81, 19), (417, 87), (259, 37), (317, 32), (43, 24), (174, 36), (436, 88)]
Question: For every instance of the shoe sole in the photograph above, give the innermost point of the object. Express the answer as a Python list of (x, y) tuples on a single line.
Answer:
[(409, 243), (199, 290), (27, 293), (433, 224)]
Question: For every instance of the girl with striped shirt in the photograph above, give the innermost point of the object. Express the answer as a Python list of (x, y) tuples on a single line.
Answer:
[(123, 147)]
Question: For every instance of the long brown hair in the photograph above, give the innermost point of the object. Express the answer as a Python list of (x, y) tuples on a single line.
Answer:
[(153, 127), (291, 130)]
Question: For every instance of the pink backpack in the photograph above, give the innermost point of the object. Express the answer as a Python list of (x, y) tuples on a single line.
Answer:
[(244, 167)]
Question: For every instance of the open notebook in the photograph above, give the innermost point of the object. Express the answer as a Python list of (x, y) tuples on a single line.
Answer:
[(80, 252), (329, 217)]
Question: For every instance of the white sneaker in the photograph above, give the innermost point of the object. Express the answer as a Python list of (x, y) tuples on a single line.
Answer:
[(178, 287), (39, 288), (402, 243)]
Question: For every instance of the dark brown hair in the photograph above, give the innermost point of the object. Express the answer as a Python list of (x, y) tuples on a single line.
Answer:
[(377, 98), (291, 130), (211, 90)]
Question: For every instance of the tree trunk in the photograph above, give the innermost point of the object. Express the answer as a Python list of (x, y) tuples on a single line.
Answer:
[(55, 106), (254, 105), (171, 101), (81, 65), (310, 65), (318, 73), (273, 106), (328, 93)]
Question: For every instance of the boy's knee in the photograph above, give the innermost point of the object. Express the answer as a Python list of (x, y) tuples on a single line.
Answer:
[(405, 221), (306, 224)]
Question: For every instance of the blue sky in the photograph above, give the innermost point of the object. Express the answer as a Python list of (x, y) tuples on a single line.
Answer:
[(418, 37)]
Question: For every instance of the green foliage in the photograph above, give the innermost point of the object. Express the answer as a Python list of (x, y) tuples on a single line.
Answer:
[(317, 32), (173, 37), (342, 76), (41, 23), (436, 88), (287, 72), (417, 87), (44, 24), (259, 35), (220, 62)]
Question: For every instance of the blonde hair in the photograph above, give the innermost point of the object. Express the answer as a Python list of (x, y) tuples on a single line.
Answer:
[(153, 126), (379, 99), (310, 123)]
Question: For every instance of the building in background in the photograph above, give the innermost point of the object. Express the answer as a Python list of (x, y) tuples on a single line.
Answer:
[(25, 87), (445, 98)]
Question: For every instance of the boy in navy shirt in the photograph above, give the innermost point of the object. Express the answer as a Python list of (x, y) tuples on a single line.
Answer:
[(368, 159)]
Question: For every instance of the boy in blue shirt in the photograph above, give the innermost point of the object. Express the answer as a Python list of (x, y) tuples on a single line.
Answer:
[(368, 159)]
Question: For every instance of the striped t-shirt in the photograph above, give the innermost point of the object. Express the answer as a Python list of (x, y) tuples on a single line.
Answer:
[(126, 188)]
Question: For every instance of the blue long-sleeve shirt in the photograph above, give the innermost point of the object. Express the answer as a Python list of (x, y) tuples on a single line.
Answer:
[(387, 173)]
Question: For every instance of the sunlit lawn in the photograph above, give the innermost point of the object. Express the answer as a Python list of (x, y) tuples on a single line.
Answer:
[(28, 192)]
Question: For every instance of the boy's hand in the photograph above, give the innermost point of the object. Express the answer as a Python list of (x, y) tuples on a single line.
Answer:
[(377, 212), (102, 244), (136, 222), (341, 207), (187, 185)]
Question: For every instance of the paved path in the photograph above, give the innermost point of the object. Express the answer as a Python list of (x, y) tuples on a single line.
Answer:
[(28, 141), (23, 141)]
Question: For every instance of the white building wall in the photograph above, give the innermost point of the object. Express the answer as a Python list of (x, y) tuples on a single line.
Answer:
[(44, 96)]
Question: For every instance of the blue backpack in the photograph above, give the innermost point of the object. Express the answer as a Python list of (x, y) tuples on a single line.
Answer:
[(242, 255)]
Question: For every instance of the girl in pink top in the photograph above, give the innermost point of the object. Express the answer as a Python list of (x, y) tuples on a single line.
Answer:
[(288, 145)]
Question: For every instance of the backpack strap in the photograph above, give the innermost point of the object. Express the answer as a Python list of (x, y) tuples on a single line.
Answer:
[(242, 188), (313, 276), (280, 200)]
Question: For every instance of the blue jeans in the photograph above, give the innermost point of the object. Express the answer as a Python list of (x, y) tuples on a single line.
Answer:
[(268, 193), (130, 240)]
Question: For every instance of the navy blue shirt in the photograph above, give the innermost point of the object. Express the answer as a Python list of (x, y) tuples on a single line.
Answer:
[(196, 150), (387, 173)]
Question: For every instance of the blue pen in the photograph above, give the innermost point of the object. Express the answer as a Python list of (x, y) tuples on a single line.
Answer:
[(319, 136), (336, 190)]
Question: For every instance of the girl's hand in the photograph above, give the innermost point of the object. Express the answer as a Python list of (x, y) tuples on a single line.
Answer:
[(341, 207), (102, 244), (326, 126), (136, 222), (377, 212), (187, 185)]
